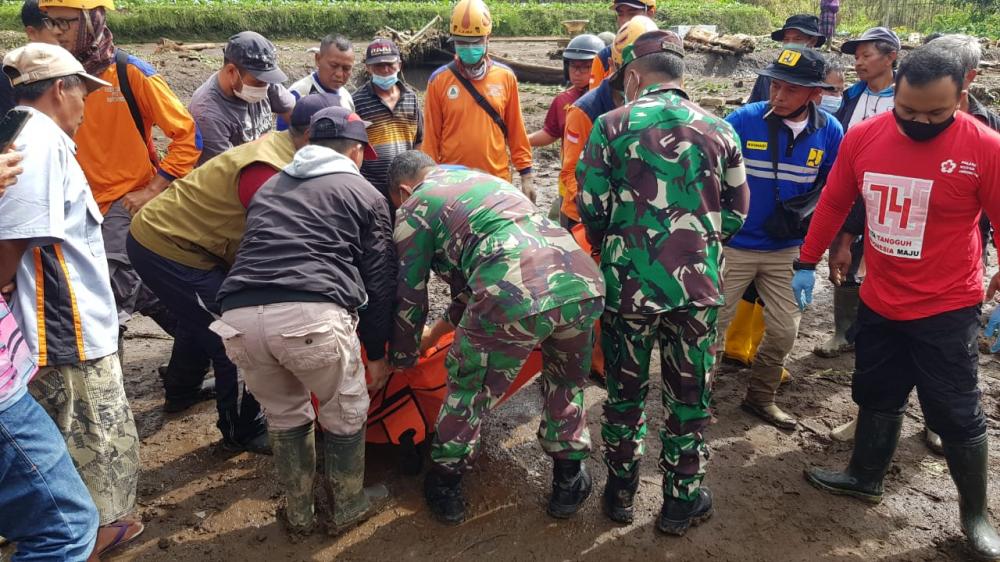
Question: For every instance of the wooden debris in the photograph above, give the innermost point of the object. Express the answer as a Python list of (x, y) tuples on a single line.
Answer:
[(414, 46), (702, 40), (164, 45)]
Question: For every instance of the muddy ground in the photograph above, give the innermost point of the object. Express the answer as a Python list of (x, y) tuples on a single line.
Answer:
[(199, 504)]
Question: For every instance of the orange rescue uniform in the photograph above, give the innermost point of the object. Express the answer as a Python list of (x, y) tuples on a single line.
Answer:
[(115, 159), (578, 128), (458, 131)]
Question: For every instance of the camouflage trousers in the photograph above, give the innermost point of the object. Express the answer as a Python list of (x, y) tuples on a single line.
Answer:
[(88, 404), (486, 358), (687, 339)]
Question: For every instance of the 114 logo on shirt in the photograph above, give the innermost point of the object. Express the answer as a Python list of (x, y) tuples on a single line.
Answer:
[(897, 210)]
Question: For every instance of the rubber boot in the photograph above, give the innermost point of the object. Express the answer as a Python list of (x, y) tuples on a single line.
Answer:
[(443, 493), (968, 463), (677, 516), (571, 486), (344, 457), (759, 401), (295, 462), (738, 334), (875, 442), (845, 433), (756, 330), (845, 311), (619, 495), (933, 442)]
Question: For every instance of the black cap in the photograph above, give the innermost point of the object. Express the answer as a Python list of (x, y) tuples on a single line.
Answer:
[(255, 54), (802, 67), (802, 22), (341, 123), (309, 105), (381, 50), (873, 34)]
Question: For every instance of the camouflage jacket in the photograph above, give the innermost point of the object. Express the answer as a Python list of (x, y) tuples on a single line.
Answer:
[(662, 185), (503, 259)]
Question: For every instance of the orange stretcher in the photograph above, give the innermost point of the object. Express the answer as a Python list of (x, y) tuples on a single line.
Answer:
[(405, 409)]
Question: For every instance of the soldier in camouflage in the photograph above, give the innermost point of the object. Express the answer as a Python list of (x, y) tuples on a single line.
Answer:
[(518, 280), (662, 186)]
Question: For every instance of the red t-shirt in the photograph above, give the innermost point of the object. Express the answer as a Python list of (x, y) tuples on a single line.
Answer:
[(555, 119), (923, 248), (251, 179)]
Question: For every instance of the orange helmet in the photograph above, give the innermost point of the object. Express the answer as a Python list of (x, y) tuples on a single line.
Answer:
[(77, 4), (471, 18), (628, 34)]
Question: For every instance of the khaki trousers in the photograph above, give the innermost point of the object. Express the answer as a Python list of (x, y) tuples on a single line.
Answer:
[(287, 350), (772, 273)]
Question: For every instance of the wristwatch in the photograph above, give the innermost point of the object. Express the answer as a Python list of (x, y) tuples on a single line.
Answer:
[(799, 266)]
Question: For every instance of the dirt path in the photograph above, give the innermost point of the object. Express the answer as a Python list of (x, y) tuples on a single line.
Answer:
[(201, 505)]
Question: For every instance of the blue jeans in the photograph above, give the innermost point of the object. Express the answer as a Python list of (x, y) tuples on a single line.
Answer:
[(47, 511), (179, 288)]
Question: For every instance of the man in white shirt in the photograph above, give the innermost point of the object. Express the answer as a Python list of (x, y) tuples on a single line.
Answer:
[(51, 247)]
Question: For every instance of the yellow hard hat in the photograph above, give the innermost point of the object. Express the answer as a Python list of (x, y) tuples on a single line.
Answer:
[(471, 18), (628, 34), (77, 4)]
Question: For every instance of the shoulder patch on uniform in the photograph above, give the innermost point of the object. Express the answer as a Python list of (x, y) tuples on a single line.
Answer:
[(146, 68), (815, 158), (756, 145)]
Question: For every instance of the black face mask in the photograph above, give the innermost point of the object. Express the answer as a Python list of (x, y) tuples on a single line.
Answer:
[(922, 132), (795, 113)]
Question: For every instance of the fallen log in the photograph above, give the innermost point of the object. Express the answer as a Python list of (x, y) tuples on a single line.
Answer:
[(536, 73), (165, 44), (699, 39)]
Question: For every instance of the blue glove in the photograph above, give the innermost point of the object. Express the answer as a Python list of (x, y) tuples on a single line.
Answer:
[(802, 287), (993, 329)]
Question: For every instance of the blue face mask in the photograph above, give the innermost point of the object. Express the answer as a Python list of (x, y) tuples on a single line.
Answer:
[(470, 54), (385, 82), (830, 103)]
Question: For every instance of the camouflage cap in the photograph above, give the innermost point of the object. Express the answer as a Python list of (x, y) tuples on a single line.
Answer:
[(659, 41)]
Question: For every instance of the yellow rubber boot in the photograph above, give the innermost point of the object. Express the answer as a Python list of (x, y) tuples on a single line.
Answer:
[(739, 334)]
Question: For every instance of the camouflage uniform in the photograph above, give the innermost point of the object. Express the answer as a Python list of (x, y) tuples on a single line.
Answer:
[(517, 280), (88, 404), (662, 185)]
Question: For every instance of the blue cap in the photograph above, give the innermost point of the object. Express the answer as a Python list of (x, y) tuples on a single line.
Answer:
[(308, 106)]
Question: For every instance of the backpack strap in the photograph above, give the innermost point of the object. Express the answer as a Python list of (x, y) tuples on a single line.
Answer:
[(489, 109), (121, 66)]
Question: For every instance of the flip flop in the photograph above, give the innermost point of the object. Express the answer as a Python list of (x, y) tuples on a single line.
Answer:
[(122, 538)]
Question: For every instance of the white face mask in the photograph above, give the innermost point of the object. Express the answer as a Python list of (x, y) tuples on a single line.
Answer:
[(830, 103), (252, 94)]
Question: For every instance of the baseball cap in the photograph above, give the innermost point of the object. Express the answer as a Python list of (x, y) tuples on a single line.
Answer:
[(648, 43), (309, 105), (40, 61), (381, 50), (802, 67), (873, 34), (255, 54), (341, 123), (638, 4), (801, 22)]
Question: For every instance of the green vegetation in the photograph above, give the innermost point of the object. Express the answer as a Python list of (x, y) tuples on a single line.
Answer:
[(147, 20)]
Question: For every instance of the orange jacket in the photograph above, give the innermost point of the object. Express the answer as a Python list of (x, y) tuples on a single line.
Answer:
[(114, 157), (458, 131), (598, 70), (578, 127)]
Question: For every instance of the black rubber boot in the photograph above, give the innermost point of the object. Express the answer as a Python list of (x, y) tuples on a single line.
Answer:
[(344, 465), (969, 465), (677, 516), (874, 444), (619, 494), (571, 486), (443, 492), (295, 466)]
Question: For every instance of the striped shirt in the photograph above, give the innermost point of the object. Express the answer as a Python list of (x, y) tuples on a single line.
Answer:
[(393, 131), (63, 302), (16, 366)]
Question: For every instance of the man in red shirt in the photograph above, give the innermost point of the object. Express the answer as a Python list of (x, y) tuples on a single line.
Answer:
[(925, 172)]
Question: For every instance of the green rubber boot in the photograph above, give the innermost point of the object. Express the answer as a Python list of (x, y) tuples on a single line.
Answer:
[(345, 478), (968, 463), (295, 462), (874, 444)]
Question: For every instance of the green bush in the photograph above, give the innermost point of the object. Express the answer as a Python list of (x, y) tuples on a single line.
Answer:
[(144, 20)]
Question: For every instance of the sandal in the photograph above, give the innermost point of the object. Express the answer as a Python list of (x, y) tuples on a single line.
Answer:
[(127, 531)]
